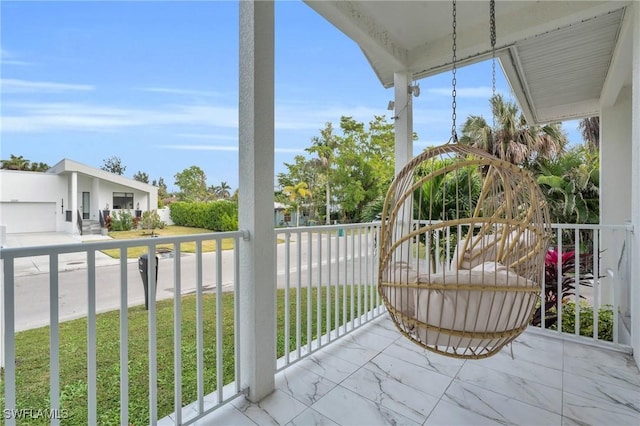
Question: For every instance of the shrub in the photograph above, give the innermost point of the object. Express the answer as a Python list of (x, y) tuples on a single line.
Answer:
[(220, 215), (151, 220), (121, 221), (605, 320)]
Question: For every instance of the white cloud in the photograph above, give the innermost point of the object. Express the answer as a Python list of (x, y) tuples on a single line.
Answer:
[(52, 116), (10, 85), (7, 58), (222, 148), (185, 92)]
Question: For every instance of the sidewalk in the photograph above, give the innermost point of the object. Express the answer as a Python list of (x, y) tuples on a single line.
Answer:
[(66, 262)]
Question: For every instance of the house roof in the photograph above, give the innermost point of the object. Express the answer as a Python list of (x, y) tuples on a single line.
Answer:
[(66, 166), (558, 56)]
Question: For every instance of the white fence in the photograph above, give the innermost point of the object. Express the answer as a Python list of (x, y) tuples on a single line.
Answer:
[(326, 278)]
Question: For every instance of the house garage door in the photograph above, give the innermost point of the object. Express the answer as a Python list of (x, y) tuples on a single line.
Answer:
[(28, 217)]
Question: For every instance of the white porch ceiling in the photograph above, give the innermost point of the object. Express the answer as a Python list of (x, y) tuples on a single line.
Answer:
[(555, 54)]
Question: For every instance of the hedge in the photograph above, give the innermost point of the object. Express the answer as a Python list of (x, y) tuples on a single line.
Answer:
[(220, 215)]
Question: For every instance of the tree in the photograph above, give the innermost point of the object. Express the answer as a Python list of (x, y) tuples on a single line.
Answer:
[(296, 193), (590, 129), (162, 188), (571, 186), (141, 177), (193, 184), (222, 191), (309, 171), (20, 163), (113, 165), (363, 164), (324, 147), (513, 139)]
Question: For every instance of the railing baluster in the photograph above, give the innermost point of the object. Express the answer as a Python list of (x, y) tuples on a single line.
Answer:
[(337, 287), (92, 399), (153, 347), (559, 290), (360, 284), (595, 249), (319, 292), (124, 340), (9, 339), (199, 329), (345, 317), (287, 284), (368, 247), (54, 345), (329, 279), (353, 278), (236, 307), (309, 291), (177, 332), (576, 262), (219, 317), (298, 293)]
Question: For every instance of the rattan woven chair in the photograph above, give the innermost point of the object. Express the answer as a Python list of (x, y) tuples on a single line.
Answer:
[(462, 249)]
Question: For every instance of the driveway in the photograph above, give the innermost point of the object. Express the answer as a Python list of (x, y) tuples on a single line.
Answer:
[(67, 262)]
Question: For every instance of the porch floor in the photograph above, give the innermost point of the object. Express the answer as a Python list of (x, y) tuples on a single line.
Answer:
[(374, 376)]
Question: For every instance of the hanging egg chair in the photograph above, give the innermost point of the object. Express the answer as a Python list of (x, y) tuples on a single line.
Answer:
[(462, 251)]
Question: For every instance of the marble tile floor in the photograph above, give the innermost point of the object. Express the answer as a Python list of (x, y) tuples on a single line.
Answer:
[(374, 376)]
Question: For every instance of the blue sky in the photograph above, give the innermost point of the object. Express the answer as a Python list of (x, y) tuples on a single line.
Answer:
[(156, 84)]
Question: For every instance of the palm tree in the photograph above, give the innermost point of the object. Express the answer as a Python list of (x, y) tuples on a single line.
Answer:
[(224, 190), (298, 191), (512, 139), (590, 129), (16, 163), (324, 148)]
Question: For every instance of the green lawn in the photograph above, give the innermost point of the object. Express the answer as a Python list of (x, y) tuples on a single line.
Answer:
[(32, 356), (172, 230)]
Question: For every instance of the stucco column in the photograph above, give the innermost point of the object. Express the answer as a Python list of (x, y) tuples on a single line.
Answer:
[(73, 196), (615, 174), (257, 254), (635, 183), (403, 113), (403, 101)]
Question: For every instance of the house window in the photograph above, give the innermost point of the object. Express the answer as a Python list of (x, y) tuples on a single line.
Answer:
[(122, 200), (287, 217)]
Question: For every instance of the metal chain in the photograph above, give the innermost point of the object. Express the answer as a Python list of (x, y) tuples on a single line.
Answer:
[(492, 36), (454, 135)]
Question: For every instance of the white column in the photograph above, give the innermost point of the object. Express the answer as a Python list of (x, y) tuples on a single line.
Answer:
[(615, 173), (403, 120), (95, 198), (403, 101), (74, 202), (257, 255), (635, 183)]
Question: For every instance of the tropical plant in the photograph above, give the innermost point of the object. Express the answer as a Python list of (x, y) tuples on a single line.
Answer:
[(570, 184), (296, 193), (20, 163), (561, 267), (590, 129), (512, 139)]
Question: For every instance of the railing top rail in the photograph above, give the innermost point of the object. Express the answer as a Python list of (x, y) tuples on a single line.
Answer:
[(17, 252), (316, 228), (621, 227)]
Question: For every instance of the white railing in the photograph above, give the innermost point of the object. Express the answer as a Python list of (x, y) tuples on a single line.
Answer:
[(585, 297), (594, 283), (195, 274), (328, 275), (326, 278)]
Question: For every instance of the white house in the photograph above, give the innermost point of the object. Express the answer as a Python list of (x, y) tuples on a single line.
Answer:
[(54, 201)]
